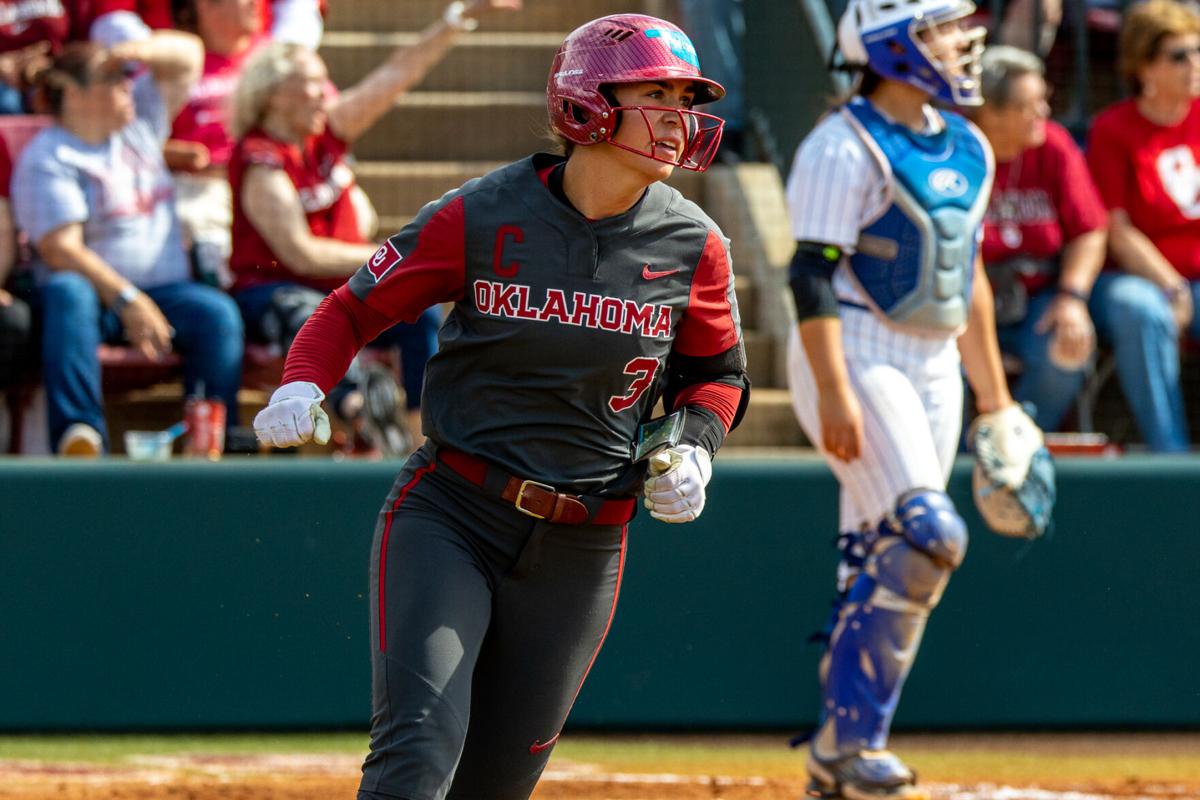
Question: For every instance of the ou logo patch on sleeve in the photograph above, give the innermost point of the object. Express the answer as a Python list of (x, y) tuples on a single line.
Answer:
[(384, 261)]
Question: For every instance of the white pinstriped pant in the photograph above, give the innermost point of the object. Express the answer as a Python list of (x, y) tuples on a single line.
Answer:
[(911, 392)]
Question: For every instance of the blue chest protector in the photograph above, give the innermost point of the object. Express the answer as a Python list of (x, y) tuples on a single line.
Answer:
[(916, 261)]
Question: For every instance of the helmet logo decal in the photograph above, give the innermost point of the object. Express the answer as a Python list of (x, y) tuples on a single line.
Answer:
[(680, 44), (948, 182)]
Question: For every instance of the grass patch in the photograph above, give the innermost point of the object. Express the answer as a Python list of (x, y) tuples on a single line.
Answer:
[(113, 748)]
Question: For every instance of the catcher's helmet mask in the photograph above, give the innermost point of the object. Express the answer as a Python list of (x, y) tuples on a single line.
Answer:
[(886, 36), (624, 49)]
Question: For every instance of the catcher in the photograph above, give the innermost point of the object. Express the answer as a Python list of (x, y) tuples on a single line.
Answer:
[(887, 195)]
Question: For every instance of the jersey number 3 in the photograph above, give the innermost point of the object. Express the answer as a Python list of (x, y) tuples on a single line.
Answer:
[(642, 369)]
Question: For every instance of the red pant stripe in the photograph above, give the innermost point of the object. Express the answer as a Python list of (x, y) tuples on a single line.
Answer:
[(383, 547)]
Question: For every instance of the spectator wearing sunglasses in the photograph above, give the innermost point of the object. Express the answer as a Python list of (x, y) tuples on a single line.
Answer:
[(94, 196), (1143, 153)]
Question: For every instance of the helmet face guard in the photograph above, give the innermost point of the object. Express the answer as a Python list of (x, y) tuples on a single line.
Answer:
[(893, 46), (702, 136), (625, 49)]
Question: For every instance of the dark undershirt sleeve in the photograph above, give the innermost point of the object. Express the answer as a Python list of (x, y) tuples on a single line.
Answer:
[(811, 276)]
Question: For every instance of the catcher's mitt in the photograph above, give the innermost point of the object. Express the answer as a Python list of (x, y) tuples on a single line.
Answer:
[(1013, 480)]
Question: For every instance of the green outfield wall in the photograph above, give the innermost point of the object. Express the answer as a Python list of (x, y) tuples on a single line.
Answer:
[(233, 595)]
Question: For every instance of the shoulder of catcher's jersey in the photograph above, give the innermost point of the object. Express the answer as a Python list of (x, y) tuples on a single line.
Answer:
[(833, 140), (832, 158)]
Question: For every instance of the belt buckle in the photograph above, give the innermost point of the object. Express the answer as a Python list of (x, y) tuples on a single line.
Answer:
[(521, 496)]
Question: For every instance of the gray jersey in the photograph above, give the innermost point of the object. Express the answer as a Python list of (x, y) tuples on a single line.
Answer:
[(565, 331)]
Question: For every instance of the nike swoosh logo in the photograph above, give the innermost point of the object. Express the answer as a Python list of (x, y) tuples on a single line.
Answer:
[(538, 746), (650, 274)]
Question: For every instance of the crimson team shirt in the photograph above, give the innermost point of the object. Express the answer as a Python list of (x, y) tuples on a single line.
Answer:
[(564, 331), (323, 180), (6, 171), (204, 118), (1151, 172), (27, 22), (157, 13), (1041, 200)]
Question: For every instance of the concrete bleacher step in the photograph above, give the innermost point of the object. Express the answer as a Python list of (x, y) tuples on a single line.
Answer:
[(458, 126), (413, 15), (760, 357), (480, 62), (769, 422), (400, 188)]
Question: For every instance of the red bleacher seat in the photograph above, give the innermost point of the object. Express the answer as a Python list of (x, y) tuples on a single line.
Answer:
[(16, 130)]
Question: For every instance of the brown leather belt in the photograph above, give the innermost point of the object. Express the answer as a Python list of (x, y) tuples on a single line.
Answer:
[(538, 500)]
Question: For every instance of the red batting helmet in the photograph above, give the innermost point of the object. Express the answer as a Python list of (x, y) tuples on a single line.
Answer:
[(629, 48)]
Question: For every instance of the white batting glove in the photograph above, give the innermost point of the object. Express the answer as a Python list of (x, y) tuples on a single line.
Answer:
[(677, 493), (293, 416)]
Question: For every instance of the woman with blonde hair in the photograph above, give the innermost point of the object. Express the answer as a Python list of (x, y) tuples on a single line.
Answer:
[(301, 226), (1143, 154)]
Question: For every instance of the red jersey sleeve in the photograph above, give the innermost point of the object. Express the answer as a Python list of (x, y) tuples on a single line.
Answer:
[(423, 264), (710, 323), (1080, 208), (1108, 160), (709, 338), (330, 339)]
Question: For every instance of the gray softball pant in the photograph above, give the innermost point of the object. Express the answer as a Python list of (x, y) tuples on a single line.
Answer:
[(484, 625)]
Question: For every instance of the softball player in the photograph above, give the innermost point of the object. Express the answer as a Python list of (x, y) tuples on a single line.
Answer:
[(583, 289), (887, 196)]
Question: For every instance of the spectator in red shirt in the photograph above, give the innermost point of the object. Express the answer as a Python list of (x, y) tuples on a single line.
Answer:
[(113, 21), (301, 225), (200, 144), (1043, 236), (31, 34), (1143, 155)]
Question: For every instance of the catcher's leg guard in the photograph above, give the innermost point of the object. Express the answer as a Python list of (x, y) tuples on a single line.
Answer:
[(875, 640), (853, 545)]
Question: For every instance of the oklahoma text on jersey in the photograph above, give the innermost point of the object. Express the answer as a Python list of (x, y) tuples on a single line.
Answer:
[(596, 311)]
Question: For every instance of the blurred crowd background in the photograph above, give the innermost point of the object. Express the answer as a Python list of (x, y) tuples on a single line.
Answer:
[(183, 181)]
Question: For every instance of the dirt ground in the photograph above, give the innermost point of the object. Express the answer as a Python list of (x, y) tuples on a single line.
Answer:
[(327, 777)]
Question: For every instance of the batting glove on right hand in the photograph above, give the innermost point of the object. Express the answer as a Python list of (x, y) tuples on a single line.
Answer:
[(293, 416), (676, 494)]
